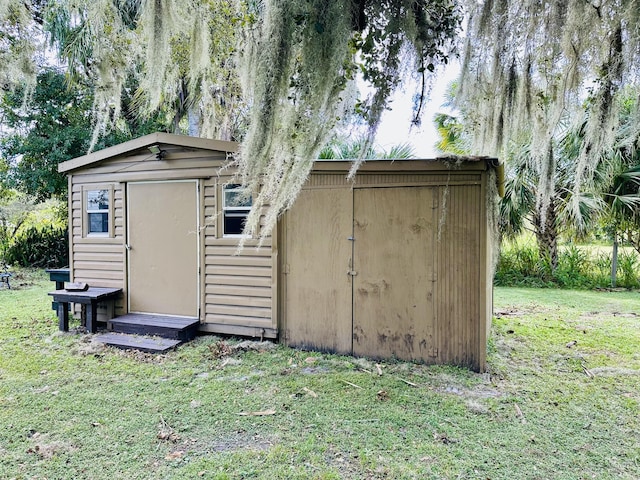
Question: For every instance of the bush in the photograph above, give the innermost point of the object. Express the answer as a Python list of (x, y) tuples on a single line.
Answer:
[(520, 265), (44, 247)]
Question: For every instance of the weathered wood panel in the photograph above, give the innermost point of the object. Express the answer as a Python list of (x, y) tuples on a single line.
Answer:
[(317, 284), (221, 323), (365, 180), (460, 318), (394, 231)]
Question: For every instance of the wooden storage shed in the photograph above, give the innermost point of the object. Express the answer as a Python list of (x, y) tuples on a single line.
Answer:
[(396, 264)]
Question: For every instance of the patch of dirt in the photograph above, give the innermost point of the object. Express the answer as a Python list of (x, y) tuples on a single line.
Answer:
[(89, 347), (222, 348), (518, 312), (46, 448)]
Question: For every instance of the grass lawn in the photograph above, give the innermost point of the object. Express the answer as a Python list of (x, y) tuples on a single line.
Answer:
[(561, 400)]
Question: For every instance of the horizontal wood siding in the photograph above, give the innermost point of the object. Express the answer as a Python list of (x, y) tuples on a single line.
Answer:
[(239, 287), (102, 261), (98, 261)]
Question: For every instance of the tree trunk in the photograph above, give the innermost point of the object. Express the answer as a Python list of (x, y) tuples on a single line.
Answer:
[(614, 262), (547, 235)]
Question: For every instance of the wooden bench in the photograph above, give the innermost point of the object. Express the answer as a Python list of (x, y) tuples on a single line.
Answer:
[(91, 298)]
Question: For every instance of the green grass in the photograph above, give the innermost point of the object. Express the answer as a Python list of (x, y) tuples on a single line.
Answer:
[(71, 409)]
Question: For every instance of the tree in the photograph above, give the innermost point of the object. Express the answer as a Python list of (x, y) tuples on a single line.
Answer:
[(54, 126), (295, 61), (453, 137), (347, 149), (529, 65)]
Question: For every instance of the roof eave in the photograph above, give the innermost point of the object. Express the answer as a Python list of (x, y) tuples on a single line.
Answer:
[(144, 142)]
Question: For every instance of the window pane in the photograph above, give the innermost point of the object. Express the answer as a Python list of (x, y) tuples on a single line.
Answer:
[(98, 200), (98, 223), (234, 225), (233, 198)]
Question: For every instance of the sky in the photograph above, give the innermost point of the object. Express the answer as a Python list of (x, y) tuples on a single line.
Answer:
[(396, 128)]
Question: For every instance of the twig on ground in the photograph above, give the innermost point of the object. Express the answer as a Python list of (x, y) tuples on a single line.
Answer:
[(352, 384)]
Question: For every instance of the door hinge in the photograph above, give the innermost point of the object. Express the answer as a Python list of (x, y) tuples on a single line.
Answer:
[(353, 273), (285, 269)]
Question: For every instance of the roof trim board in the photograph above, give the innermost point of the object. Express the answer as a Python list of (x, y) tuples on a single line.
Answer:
[(144, 142)]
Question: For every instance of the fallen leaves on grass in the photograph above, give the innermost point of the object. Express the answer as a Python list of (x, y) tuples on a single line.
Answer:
[(443, 438), (310, 392), (166, 433), (177, 455), (382, 395), (222, 349)]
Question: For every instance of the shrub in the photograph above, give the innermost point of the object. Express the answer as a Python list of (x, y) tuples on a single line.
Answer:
[(627, 270), (520, 265), (44, 247)]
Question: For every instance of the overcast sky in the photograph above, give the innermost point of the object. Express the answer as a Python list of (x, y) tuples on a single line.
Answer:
[(396, 124)]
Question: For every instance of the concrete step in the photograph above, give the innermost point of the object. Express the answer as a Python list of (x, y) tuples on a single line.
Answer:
[(135, 342)]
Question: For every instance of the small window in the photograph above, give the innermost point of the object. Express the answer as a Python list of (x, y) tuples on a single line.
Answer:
[(236, 208), (98, 212)]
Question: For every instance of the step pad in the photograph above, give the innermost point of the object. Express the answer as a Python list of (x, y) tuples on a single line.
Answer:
[(135, 342), (177, 328)]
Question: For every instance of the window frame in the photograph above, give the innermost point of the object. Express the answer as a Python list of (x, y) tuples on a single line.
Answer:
[(86, 211), (233, 211)]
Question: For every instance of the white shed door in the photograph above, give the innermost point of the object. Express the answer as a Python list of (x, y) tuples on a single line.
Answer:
[(163, 247)]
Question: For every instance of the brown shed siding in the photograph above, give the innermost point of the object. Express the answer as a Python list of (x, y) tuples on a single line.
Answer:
[(98, 261), (458, 302), (239, 286), (420, 285), (394, 264), (237, 291)]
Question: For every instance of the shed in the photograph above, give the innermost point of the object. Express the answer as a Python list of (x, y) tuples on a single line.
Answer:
[(396, 264)]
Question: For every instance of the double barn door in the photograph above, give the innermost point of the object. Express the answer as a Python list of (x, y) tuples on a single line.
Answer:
[(359, 271)]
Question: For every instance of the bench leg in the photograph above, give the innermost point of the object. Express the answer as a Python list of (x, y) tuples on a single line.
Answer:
[(92, 317), (63, 316)]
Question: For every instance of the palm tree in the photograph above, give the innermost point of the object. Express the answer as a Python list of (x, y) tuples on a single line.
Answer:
[(351, 149)]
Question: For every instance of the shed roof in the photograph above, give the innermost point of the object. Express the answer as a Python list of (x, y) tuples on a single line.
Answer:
[(158, 138), (167, 139)]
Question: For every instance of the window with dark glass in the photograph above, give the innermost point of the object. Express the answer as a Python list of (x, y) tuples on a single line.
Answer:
[(236, 206), (98, 212)]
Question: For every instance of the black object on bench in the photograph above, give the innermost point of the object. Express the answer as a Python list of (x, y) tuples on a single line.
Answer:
[(91, 298)]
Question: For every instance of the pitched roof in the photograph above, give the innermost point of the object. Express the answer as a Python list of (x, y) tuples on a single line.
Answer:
[(158, 138)]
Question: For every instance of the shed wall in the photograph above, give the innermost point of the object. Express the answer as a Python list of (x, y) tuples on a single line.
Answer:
[(237, 291), (447, 321)]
